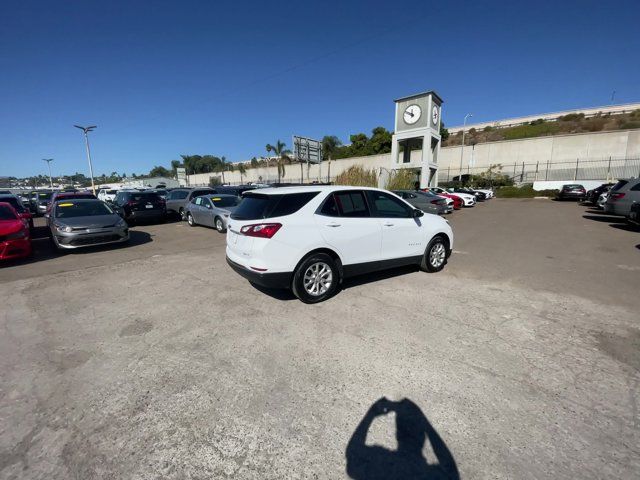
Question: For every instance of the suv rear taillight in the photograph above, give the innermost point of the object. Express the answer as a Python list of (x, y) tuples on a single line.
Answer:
[(616, 196), (261, 230)]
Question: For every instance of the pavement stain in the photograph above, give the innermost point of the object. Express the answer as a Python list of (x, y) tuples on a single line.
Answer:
[(623, 348), (136, 328), (67, 360)]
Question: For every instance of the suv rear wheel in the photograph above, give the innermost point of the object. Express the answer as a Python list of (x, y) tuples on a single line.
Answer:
[(435, 256), (316, 278)]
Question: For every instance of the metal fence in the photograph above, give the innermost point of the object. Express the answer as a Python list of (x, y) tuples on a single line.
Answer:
[(580, 169), (607, 169)]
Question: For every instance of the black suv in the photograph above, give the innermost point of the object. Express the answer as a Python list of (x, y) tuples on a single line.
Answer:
[(135, 206)]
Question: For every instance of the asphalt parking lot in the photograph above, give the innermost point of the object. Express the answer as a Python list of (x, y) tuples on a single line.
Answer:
[(520, 360)]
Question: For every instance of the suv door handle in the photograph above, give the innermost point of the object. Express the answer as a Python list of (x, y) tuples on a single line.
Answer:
[(388, 224), (333, 224)]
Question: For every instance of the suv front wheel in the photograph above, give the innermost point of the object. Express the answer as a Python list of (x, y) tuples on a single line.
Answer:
[(316, 278), (435, 256)]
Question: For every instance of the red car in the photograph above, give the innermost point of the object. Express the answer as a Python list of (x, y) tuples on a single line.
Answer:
[(22, 211), (457, 201), (58, 196), (15, 241)]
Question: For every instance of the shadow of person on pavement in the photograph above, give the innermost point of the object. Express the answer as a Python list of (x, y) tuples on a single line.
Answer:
[(366, 462)]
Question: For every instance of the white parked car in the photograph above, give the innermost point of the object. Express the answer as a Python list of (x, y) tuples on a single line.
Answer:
[(468, 200), (487, 192), (107, 194), (310, 238)]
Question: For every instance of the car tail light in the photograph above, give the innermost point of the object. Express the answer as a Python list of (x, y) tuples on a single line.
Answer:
[(261, 230), (616, 196)]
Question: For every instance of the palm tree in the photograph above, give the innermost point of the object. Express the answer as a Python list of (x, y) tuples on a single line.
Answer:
[(243, 170), (330, 144), (220, 168), (282, 155)]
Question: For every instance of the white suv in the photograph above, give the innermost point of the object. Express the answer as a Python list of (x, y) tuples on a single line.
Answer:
[(309, 238)]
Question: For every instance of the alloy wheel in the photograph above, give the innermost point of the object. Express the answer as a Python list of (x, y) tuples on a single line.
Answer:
[(437, 255), (317, 279)]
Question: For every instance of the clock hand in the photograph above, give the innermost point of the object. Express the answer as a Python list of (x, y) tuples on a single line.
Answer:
[(409, 112)]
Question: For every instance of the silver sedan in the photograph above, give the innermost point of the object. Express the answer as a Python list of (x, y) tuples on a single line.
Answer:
[(83, 223), (212, 210)]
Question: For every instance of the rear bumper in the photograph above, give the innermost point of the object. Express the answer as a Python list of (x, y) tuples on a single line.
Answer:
[(267, 280), (146, 214)]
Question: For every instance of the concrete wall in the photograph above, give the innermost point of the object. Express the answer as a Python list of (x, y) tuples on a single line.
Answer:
[(561, 148)]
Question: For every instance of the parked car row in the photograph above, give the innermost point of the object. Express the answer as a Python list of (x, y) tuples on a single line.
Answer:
[(621, 198), (305, 238)]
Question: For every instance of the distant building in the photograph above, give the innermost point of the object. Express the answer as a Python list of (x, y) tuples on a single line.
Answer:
[(152, 182)]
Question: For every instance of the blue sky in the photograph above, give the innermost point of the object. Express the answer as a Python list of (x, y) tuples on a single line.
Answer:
[(164, 78)]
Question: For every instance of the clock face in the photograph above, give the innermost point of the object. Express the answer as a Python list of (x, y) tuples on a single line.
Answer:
[(412, 114), (435, 113)]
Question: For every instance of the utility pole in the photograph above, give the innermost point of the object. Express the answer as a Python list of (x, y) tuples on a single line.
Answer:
[(86, 130), (49, 160), (464, 124)]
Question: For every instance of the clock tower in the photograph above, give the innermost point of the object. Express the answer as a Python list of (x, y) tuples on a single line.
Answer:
[(416, 141)]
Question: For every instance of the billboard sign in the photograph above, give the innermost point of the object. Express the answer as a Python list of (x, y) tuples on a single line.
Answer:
[(307, 150)]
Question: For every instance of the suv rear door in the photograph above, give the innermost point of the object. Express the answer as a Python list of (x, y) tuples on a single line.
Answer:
[(345, 223)]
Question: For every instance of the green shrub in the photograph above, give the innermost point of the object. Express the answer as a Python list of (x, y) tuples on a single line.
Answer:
[(358, 176), (402, 179), (527, 131), (539, 121), (214, 181), (525, 191), (630, 124), (571, 117)]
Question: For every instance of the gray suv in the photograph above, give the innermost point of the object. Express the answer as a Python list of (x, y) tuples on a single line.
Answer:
[(622, 196), (178, 199)]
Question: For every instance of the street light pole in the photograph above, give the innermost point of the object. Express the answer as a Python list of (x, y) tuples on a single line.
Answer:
[(462, 149), (49, 160), (86, 130)]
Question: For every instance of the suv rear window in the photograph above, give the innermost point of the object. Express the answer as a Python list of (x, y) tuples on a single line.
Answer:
[(256, 206), (619, 185), (143, 197)]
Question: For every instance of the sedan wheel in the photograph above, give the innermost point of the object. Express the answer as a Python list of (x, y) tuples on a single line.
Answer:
[(190, 220), (219, 225)]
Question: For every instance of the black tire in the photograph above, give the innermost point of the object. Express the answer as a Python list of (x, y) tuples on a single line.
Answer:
[(190, 220), (219, 224), (435, 255), (322, 261)]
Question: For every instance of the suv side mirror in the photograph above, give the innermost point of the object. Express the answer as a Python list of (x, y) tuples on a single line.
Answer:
[(417, 213)]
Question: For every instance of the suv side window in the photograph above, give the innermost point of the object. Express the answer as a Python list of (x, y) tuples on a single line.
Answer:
[(384, 205), (636, 187), (352, 204), (330, 207)]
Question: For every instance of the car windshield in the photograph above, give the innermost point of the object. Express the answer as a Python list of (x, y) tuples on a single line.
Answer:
[(62, 198), (222, 202), (45, 196), (14, 202), (573, 187), (6, 213), (72, 209), (112, 192)]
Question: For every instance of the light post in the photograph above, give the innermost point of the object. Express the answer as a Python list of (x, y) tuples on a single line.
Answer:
[(462, 149), (49, 160), (86, 130)]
